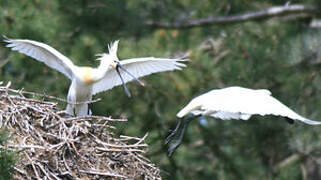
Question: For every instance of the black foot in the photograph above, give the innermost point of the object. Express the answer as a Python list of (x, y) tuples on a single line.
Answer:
[(173, 133), (172, 149)]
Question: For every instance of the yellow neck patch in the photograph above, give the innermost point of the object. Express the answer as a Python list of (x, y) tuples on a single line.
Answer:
[(88, 75)]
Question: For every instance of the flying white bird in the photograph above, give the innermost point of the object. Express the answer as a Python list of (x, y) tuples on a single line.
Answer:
[(233, 103), (88, 81)]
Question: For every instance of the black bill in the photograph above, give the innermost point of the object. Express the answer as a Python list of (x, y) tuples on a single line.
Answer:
[(122, 80), (130, 74)]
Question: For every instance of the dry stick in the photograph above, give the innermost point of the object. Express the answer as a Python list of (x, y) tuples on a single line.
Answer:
[(220, 56), (33, 100), (258, 15), (304, 172), (128, 138), (98, 141), (143, 157), (57, 146), (52, 174), (85, 118), (119, 150), (44, 95), (20, 171), (103, 174), (103, 126), (43, 170), (66, 165), (141, 140), (4, 62), (33, 166), (72, 142), (142, 161), (22, 147), (100, 118), (289, 160)]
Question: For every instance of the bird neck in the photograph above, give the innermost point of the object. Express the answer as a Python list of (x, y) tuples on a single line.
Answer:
[(104, 64), (103, 68)]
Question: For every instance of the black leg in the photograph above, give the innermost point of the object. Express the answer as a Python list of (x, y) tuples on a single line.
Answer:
[(122, 80), (290, 121), (174, 132), (181, 136), (74, 109)]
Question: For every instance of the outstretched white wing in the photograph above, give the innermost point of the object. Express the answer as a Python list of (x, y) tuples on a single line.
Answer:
[(241, 103), (138, 67), (43, 53)]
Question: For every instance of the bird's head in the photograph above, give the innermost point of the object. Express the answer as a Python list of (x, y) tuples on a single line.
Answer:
[(110, 59)]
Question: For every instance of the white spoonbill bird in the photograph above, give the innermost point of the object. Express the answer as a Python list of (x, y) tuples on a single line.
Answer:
[(88, 81), (233, 103)]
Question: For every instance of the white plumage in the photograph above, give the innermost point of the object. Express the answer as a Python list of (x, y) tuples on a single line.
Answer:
[(138, 67), (239, 103), (87, 81), (232, 103)]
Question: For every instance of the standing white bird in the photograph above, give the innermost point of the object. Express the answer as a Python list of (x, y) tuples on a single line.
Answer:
[(233, 103), (88, 81)]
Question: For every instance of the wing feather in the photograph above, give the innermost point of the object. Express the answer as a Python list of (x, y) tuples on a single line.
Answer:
[(253, 102), (42, 53), (240, 103), (139, 67)]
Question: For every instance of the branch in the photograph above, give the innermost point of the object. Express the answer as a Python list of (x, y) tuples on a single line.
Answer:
[(258, 15), (288, 161)]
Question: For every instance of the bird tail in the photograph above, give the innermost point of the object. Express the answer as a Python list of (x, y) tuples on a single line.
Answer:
[(310, 122)]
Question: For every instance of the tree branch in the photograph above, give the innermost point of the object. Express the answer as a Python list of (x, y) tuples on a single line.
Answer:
[(288, 161), (258, 15)]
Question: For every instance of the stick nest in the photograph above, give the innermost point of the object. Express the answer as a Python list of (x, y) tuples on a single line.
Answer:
[(53, 147)]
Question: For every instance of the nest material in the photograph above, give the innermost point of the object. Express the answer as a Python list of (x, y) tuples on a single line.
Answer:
[(54, 147)]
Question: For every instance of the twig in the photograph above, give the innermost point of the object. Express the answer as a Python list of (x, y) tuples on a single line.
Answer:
[(24, 146), (304, 172), (85, 118), (100, 118), (4, 62), (43, 170), (117, 146), (48, 96), (289, 160), (66, 165), (33, 166), (52, 174), (220, 56), (119, 150), (103, 173), (141, 140), (20, 171)]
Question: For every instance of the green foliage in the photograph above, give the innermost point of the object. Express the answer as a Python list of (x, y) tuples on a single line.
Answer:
[(278, 54), (7, 158)]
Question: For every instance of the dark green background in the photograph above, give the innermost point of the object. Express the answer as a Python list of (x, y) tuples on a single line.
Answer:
[(280, 54)]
